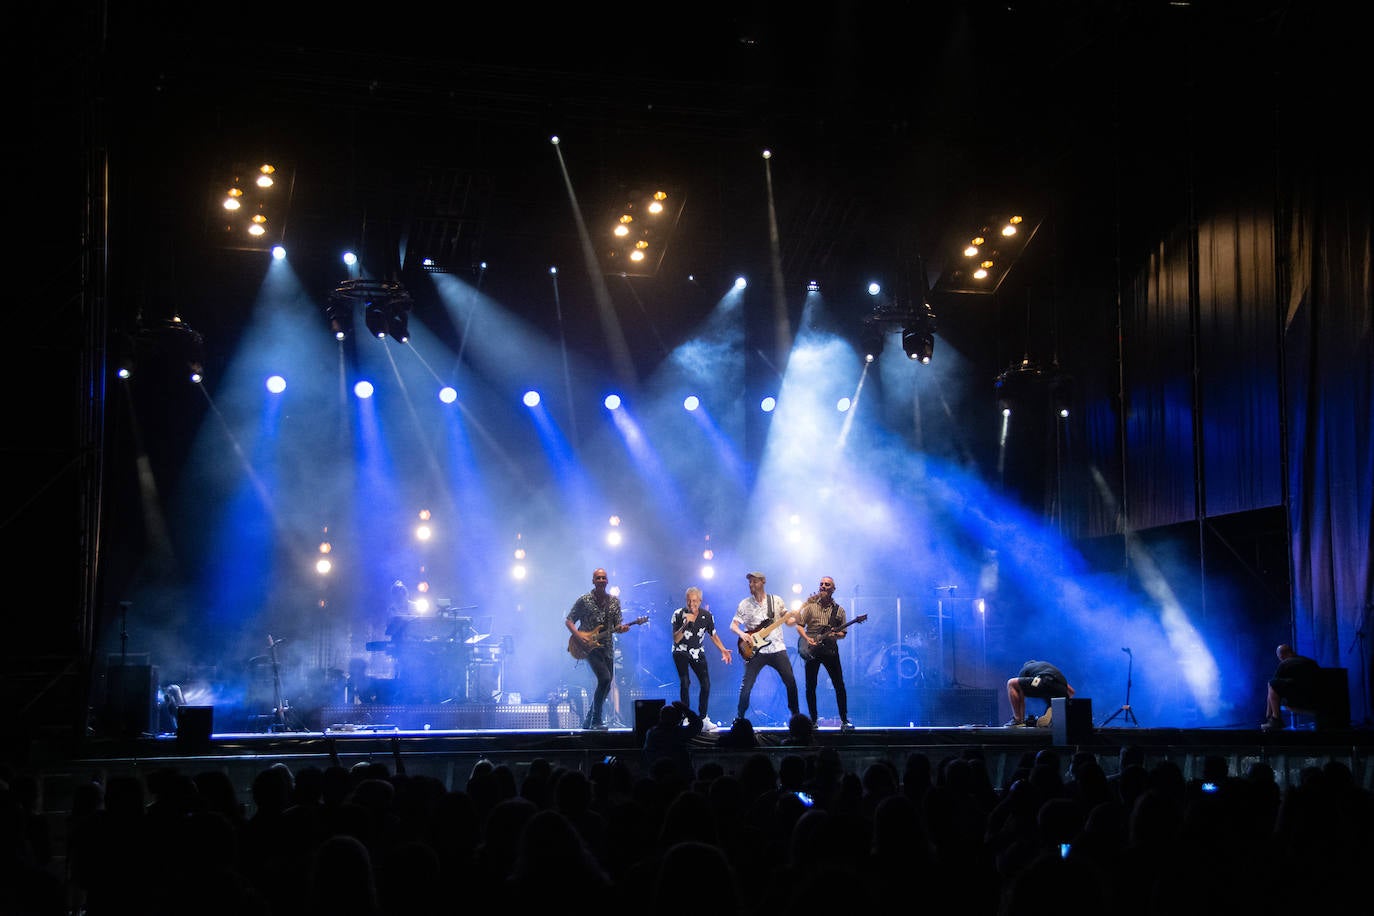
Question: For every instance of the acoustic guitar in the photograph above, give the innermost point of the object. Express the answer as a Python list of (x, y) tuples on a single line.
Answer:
[(825, 639), (759, 635), (580, 650)]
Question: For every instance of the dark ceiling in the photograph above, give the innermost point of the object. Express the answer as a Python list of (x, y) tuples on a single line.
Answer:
[(423, 129)]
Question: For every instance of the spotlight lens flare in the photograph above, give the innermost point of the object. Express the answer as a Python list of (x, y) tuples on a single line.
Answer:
[(842, 405), (323, 566), (531, 399), (448, 394), (612, 402), (350, 258), (363, 389), (278, 253), (768, 405), (692, 402), (276, 384)]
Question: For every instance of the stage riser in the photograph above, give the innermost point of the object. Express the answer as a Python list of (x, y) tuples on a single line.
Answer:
[(922, 708), (506, 716)]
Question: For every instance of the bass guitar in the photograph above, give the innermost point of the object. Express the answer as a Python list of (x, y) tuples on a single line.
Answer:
[(825, 639), (759, 635), (580, 650)]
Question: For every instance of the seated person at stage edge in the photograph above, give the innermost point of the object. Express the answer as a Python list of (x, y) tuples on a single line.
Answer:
[(1036, 679), (1294, 685)]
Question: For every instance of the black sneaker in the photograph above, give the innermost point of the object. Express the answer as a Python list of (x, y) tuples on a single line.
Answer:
[(1272, 724), (846, 726)]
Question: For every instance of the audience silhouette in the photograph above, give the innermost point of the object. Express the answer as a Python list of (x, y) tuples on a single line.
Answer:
[(751, 833)]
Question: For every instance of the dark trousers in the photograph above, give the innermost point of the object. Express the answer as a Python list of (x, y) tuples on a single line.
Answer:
[(602, 662), (779, 662), (684, 663), (830, 661)]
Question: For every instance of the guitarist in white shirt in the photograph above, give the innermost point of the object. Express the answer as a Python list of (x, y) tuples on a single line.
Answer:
[(759, 623), (819, 624), (597, 611)]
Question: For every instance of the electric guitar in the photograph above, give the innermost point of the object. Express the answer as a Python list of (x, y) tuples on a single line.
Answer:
[(580, 650), (759, 635), (825, 639)]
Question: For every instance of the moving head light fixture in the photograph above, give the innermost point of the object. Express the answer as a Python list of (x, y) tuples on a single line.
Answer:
[(386, 308), (916, 321)]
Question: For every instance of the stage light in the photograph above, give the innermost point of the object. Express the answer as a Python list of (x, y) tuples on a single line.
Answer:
[(386, 308), (323, 566), (813, 287), (531, 399), (767, 405), (448, 394), (374, 315), (740, 283), (363, 389), (350, 258), (612, 402), (842, 405), (918, 343), (276, 384), (278, 252), (691, 402), (874, 337), (398, 322)]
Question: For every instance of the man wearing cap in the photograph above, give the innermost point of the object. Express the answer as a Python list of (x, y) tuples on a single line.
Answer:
[(759, 623)]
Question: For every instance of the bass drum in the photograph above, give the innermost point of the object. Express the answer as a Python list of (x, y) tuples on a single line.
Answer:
[(895, 666)]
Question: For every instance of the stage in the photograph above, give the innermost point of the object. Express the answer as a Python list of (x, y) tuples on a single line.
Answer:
[(448, 754)]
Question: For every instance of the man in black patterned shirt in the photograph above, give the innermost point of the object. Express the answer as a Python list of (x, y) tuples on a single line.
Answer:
[(593, 619), (691, 624)]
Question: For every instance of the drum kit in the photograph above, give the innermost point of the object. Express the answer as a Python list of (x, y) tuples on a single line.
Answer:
[(900, 664)]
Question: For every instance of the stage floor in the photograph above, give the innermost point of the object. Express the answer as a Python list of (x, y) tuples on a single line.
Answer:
[(449, 754)]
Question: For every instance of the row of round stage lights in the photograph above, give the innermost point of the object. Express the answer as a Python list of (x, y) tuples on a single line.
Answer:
[(448, 394)]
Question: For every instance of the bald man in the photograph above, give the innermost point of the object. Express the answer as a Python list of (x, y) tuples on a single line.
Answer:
[(1294, 685)]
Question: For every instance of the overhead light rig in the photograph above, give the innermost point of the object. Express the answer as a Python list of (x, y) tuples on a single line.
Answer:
[(916, 321), (386, 308)]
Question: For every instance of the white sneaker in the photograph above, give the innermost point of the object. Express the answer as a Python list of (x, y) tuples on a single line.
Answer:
[(707, 725)]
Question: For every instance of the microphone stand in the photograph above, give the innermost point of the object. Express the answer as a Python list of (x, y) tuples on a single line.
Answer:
[(953, 635), (1125, 710), (1364, 675), (280, 724)]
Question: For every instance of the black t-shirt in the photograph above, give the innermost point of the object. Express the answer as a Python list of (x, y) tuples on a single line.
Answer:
[(1295, 679)]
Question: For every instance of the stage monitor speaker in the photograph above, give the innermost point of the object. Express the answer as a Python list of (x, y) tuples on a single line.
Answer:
[(131, 700), (1071, 720), (195, 724), (646, 717), (1333, 710)]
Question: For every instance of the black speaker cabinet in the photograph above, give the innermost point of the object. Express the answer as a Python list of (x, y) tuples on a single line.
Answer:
[(195, 724), (131, 700), (1071, 720), (646, 717), (1334, 687)]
